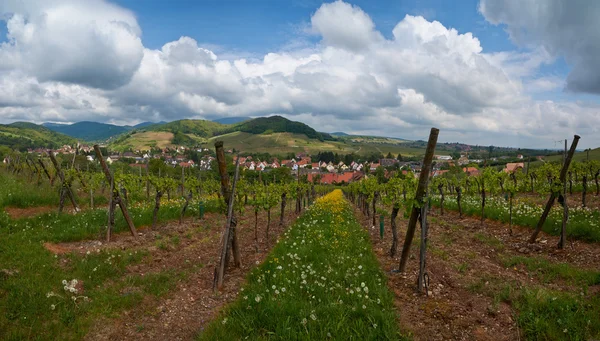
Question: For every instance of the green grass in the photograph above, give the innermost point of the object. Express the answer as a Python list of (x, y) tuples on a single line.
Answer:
[(544, 314), (489, 240), (32, 272), (322, 281), (551, 315), (548, 271), (583, 224)]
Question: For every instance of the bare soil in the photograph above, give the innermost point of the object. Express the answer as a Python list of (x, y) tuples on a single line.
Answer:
[(463, 255), (185, 310)]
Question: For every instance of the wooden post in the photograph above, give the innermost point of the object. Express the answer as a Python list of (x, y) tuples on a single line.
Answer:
[(182, 181), (147, 180), (229, 229), (66, 187), (116, 198), (111, 211), (422, 282), (46, 171), (416, 211), (225, 189), (563, 232), (563, 175)]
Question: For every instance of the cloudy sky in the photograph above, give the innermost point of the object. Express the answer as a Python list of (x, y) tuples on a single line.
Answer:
[(503, 72)]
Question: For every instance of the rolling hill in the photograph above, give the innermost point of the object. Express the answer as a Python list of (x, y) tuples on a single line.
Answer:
[(594, 154), (23, 135), (275, 135)]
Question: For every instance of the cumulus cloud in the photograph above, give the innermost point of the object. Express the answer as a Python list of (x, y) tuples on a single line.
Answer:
[(567, 29), (353, 80), (344, 25), (91, 43)]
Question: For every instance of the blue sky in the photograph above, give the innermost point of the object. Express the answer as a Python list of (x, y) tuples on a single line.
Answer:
[(503, 72), (261, 26)]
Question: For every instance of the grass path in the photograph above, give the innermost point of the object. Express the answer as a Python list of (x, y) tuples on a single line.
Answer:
[(322, 281)]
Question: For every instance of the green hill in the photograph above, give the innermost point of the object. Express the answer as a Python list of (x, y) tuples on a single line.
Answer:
[(201, 128), (198, 132), (276, 124), (23, 135), (594, 154)]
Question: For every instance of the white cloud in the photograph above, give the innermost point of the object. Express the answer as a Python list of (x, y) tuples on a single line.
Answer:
[(92, 43), (569, 29), (345, 26), (354, 80)]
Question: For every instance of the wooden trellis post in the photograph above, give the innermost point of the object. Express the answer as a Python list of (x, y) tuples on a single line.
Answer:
[(46, 171), (115, 197), (229, 235), (563, 176), (65, 188), (421, 188)]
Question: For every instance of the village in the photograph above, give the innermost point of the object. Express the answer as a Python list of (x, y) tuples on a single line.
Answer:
[(302, 163)]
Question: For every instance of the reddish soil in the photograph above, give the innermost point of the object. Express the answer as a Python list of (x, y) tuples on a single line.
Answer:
[(185, 310), (462, 256), (28, 212)]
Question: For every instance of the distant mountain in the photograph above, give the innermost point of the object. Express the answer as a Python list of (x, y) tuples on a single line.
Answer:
[(339, 133), (88, 131), (232, 120), (23, 135), (95, 131)]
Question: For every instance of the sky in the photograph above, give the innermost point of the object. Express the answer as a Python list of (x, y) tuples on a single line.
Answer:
[(487, 72)]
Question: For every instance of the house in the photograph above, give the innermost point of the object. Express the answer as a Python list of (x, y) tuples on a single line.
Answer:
[(438, 172), (315, 165), (513, 167), (129, 155), (387, 162), (112, 158), (443, 157), (463, 160), (185, 164), (336, 178), (520, 157), (330, 168), (303, 162), (90, 158), (471, 171), (373, 166), (275, 164)]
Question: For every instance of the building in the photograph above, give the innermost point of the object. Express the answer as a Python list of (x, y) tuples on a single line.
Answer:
[(471, 171), (513, 167), (387, 162)]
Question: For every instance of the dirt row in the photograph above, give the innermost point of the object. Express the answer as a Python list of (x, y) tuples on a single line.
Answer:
[(192, 304), (463, 259)]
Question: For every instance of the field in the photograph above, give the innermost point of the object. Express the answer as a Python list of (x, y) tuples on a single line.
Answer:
[(296, 143), (313, 265), (146, 140)]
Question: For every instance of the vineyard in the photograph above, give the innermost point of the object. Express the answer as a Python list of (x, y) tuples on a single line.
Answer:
[(107, 252)]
